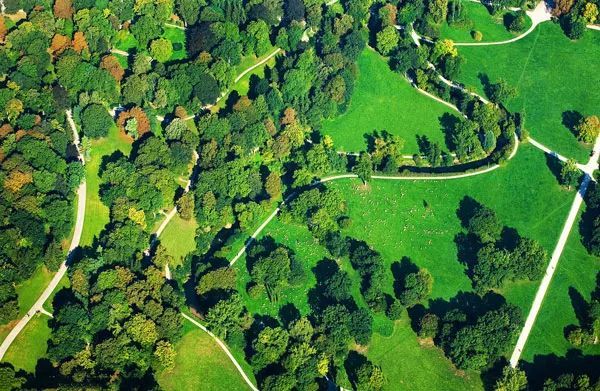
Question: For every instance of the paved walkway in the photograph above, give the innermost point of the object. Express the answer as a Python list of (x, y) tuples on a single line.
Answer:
[(562, 241), (38, 305), (225, 349)]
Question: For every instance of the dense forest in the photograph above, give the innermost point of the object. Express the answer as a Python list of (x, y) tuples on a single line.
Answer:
[(116, 324)]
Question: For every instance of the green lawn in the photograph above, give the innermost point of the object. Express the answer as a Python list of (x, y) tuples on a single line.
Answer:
[(96, 213), (126, 41), (553, 75), (417, 219), (575, 273), (179, 238), (409, 366), (200, 365), (384, 100), (30, 345), (478, 18)]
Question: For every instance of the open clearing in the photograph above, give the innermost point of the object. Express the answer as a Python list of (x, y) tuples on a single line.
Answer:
[(384, 100), (479, 19), (200, 365), (553, 76), (96, 213), (179, 238), (418, 220)]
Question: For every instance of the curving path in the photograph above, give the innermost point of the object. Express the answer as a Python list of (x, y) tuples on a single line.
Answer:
[(38, 305), (379, 177), (225, 349), (539, 14), (588, 170)]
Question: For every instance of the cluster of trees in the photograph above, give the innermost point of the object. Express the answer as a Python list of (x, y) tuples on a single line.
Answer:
[(574, 15), (498, 254), (39, 170), (473, 331)]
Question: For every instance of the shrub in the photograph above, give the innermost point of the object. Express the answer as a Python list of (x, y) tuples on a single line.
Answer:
[(477, 35)]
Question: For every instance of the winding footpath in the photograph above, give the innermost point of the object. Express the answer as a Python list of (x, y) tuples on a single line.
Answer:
[(225, 349), (38, 306), (588, 170)]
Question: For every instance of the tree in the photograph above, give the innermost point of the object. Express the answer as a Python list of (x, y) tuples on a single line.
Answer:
[(165, 354), (590, 13), (269, 345), (501, 92), (185, 206), (273, 185), (464, 137), (63, 9), (417, 287), (113, 66), (364, 167), (438, 10), (161, 49), (442, 48), (96, 121), (512, 379), (337, 286), (562, 7), (272, 270), (569, 174), (588, 129), (369, 377), (387, 40), (428, 326), (220, 279), (485, 224)]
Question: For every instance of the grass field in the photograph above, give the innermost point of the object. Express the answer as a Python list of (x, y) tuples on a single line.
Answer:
[(478, 18), (574, 276), (96, 213), (384, 100), (417, 219), (30, 345), (200, 365), (179, 238), (552, 75)]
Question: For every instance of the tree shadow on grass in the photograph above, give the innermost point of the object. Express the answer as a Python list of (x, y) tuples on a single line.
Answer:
[(554, 165), (448, 123), (580, 306), (570, 119), (552, 366)]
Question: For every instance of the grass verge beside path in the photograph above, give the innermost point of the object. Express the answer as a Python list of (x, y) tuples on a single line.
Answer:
[(492, 27), (547, 93), (384, 100), (30, 345), (179, 238), (200, 365), (96, 213), (574, 279)]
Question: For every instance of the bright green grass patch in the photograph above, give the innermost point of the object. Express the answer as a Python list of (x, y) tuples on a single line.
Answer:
[(384, 100), (30, 345), (30, 290), (125, 41), (96, 213), (552, 74), (200, 365), (409, 366), (179, 238), (177, 38), (491, 26), (574, 275)]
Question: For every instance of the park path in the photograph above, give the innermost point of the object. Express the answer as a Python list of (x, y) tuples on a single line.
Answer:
[(224, 348), (38, 305), (539, 14), (293, 195), (588, 170)]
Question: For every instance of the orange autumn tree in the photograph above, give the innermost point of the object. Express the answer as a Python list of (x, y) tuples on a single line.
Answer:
[(133, 122), (63, 9), (112, 65), (3, 30), (59, 44), (79, 42)]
